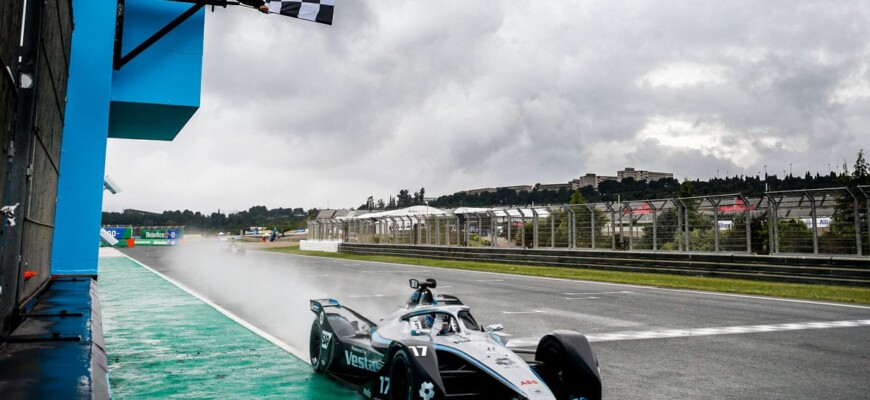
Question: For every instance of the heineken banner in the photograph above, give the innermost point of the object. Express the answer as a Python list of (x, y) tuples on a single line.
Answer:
[(153, 234)]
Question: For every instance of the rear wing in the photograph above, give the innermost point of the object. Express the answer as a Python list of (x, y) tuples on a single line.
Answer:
[(320, 304)]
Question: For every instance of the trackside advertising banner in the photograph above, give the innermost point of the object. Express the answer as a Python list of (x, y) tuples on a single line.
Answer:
[(120, 233), (153, 234), (159, 237)]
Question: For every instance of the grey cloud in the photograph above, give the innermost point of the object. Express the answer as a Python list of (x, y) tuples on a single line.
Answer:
[(454, 95)]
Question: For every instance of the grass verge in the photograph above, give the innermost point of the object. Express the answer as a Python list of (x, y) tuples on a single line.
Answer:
[(843, 294)]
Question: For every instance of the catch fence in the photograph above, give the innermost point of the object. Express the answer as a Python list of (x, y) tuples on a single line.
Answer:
[(830, 221)]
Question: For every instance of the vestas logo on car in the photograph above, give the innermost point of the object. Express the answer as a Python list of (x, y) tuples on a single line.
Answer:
[(362, 362)]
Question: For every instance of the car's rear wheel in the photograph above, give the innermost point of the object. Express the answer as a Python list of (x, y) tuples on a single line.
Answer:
[(401, 377), (320, 357)]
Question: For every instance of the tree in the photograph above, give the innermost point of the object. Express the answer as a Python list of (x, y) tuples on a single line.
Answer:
[(841, 236), (403, 199)]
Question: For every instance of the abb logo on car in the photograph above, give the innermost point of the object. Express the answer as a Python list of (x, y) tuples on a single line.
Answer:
[(529, 382)]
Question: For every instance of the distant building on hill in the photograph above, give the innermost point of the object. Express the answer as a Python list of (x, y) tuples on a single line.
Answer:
[(629, 172), (641, 175)]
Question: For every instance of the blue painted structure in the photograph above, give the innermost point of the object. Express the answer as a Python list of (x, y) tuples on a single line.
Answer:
[(58, 351), (151, 98)]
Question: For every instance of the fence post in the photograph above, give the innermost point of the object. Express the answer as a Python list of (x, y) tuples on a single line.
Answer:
[(866, 209), (534, 229), (655, 234), (815, 223), (856, 215), (493, 228), (630, 225), (510, 221), (715, 222), (591, 209), (748, 215), (679, 229), (552, 227), (572, 237)]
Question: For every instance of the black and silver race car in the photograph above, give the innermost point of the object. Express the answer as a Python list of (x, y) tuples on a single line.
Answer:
[(432, 348)]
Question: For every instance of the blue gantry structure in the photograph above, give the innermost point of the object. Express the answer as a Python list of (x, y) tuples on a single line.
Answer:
[(126, 69)]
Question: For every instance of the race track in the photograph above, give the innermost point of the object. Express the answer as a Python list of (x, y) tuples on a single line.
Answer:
[(652, 343)]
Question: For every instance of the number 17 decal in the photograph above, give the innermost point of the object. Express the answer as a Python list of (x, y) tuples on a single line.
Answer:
[(419, 351), (385, 385)]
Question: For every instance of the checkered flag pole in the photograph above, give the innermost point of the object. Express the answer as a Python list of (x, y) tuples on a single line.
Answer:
[(311, 10)]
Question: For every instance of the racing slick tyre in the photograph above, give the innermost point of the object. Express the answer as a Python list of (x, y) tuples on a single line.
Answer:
[(570, 375), (401, 377), (321, 358)]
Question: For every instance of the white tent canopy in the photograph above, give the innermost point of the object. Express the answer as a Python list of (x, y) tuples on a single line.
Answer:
[(413, 211)]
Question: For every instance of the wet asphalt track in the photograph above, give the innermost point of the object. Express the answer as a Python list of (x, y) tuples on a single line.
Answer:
[(651, 343)]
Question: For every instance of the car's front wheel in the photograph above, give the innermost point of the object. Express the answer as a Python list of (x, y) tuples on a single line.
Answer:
[(401, 377), (568, 377)]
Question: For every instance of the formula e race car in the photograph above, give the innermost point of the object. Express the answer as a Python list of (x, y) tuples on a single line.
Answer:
[(433, 348)]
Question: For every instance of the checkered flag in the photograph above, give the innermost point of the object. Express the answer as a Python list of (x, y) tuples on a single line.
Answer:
[(312, 10)]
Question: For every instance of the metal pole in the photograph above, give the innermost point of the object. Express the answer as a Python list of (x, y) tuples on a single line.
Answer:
[(552, 227), (523, 229), (655, 225), (776, 226), (857, 220), (815, 224), (458, 232), (630, 225), (715, 222), (492, 234), (688, 242), (572, 234), (680, 205), (592, 220), (510, 221), (748, 216), (534, 228), (467, 230)]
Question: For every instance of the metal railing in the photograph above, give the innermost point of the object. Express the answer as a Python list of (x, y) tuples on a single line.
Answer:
[(820, 221)]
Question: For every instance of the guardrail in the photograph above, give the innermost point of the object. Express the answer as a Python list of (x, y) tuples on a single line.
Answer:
[(850, 271)]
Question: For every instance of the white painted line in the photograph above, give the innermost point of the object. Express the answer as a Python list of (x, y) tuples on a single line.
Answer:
[(396, 272), (522, 312), (581, 294), (317, 276), (725, 330), (677, 333), (744, 296), (365, 296), (263, 334), (580, 298), (490, 280)]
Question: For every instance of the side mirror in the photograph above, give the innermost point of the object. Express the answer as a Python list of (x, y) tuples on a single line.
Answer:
[(494, 328), (414, 283)]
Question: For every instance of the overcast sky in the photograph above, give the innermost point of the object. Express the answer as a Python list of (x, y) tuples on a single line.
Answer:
[(456, 94)]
